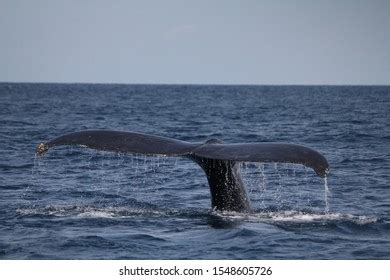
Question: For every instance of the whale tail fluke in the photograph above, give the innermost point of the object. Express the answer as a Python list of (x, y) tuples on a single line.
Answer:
[(217, 159), (138, 143)]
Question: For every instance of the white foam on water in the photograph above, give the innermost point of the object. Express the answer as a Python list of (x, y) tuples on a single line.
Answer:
[(96, 214), (91, 212), (296, 217), (112, 212)]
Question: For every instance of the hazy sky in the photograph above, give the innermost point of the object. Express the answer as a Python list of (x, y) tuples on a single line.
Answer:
[(214, 42)]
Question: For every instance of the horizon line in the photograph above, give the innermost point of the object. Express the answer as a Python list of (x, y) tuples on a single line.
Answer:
[(184, 84)]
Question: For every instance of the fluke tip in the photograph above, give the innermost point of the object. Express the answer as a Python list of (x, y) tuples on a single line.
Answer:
[(41, 149)]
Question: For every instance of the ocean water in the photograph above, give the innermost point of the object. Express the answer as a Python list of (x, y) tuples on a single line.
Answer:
[(77, 203)]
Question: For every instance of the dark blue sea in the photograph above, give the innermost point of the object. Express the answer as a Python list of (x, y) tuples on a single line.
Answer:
[(78, 203)]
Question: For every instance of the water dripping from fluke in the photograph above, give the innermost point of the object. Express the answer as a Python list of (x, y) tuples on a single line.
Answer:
[(326, 194)]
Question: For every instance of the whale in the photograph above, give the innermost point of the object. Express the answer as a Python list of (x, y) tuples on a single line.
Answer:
[(220, 161)]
